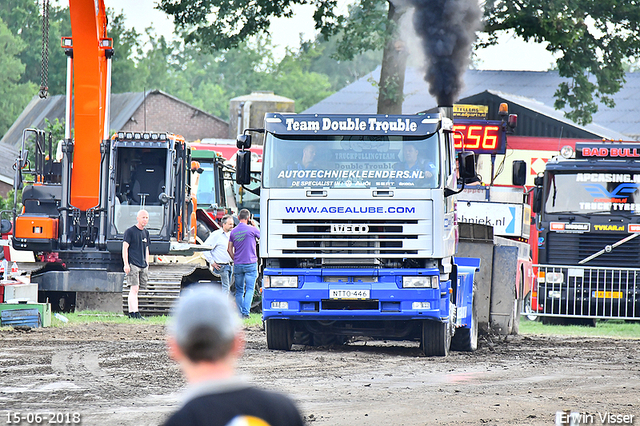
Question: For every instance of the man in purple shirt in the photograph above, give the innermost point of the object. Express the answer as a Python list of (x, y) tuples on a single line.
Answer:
[(242, 249)]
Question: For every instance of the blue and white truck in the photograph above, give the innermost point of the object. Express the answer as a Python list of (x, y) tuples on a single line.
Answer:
[(359, 231)]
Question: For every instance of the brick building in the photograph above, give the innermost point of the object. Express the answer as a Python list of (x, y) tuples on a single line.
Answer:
[(153, 110), (160, 111)]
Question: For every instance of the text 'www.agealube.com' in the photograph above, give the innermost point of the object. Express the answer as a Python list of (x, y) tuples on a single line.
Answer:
[(347, 209)]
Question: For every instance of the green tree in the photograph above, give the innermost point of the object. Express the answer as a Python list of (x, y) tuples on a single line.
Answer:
[(24, 20), (324, 59), (126, 76), (7, 204), (209, 80), (14, 95), (592, 40), (292, 78), (370, 25)]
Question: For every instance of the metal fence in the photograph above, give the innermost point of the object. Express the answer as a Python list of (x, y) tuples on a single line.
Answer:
[(583, 292)]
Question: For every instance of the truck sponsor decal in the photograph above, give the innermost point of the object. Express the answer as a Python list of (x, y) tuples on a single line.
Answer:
[(486, 220), (355, 209), (510, 220), (614, 204), (349, 178), (590, 150), (569, 227), (634, 228), (608, 191), (360, 211), (354, 125), (607, 177), (609, 227)]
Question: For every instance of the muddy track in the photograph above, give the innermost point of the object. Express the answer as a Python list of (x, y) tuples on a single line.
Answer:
[(119, 374)]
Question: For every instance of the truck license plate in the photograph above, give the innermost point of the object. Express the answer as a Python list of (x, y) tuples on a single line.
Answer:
[(348, 294), (607, 294)]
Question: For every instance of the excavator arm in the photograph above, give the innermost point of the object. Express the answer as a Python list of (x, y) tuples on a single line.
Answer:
[(91, 48)]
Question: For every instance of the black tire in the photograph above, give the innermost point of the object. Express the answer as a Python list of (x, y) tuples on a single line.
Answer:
[(553, 321), (582, 322), (302, 338), (279, 334), (435, 339), (529, 314), (466, 339), (328, 340)]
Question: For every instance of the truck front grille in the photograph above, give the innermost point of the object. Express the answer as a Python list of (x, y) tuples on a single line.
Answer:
[(364, 238), (569, 249)]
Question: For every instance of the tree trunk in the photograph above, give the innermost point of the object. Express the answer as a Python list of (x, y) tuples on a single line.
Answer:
[(394, 64)]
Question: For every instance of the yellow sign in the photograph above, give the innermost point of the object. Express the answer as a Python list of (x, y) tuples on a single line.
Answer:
[(470, 111), (607, 294)]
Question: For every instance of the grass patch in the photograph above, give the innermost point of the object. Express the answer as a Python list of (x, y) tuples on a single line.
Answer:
[(86, 317), (611, 328)]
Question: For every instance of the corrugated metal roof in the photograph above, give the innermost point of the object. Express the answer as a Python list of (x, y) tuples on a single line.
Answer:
[(539, 87), (8, 156), (123, 105)]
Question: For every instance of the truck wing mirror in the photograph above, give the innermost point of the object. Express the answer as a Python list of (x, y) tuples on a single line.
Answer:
[(243, 167), (519, 173), (243, 141), (467, 165), (537, 200), (538, 180)]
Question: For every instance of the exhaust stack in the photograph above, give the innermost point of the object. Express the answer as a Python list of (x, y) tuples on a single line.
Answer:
[(446, 111)]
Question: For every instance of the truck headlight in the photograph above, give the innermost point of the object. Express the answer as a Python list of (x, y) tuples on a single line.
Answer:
[(426, 281), (420, 305), (554, 278), (280, 281)]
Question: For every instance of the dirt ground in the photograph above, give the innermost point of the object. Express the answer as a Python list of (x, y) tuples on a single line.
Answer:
[(119, 374)]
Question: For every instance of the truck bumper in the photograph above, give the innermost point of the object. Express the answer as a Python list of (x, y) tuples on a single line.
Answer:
[(355, 294)]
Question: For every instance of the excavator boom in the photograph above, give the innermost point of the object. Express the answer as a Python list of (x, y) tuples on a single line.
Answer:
[(89, 32)]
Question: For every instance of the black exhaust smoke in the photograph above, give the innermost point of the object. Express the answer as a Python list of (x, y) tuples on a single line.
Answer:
[(448, 30)]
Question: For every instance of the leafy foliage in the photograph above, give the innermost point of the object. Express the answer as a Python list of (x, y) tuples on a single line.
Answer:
[(193, 72), (6, 204), (234, 21), (56, 128), (14, 95), (221, 25), (592, 41)]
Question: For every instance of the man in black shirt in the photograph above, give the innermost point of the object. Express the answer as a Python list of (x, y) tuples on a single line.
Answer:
[(206, 339), (135, 252)]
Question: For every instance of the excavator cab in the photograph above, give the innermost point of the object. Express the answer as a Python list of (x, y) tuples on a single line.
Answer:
[(141, 178), (150, 171)]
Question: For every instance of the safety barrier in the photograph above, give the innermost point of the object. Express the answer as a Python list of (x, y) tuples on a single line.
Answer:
[(583, 292)]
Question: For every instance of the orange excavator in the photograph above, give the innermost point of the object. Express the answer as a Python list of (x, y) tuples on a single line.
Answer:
[(77, 207)]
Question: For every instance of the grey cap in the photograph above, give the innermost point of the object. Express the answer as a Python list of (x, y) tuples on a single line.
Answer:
[(204, 305)]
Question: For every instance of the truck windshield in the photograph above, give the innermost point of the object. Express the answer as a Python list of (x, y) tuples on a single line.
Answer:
[(206, 193), (581, 193), (351, 162)]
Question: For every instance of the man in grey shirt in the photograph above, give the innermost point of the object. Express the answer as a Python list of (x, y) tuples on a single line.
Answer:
[(219, 258)]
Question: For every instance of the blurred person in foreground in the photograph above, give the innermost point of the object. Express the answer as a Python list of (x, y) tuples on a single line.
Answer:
[(206, 339)]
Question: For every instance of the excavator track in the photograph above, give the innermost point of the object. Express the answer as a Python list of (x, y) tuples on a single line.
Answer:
[(163, 288), (166, 280)]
